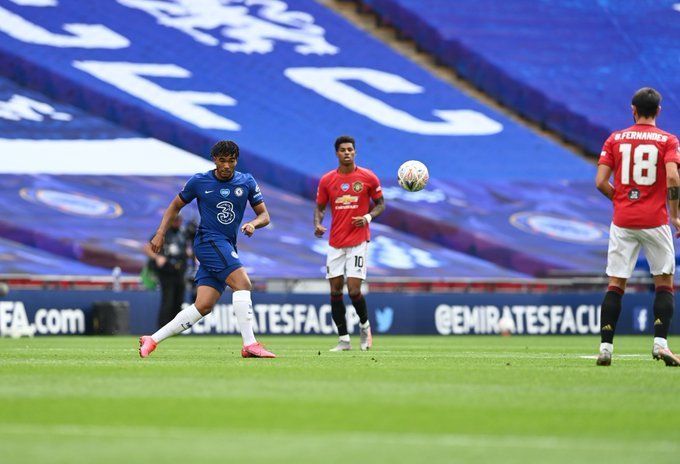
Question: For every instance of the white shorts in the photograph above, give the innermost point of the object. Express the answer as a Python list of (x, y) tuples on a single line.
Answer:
[(350, 261), (624, 247)]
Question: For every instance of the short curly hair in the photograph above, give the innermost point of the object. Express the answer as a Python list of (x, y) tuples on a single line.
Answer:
[(224, 148), (344, 139)]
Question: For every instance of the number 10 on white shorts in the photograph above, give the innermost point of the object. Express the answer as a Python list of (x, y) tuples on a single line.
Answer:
[(350, 261)]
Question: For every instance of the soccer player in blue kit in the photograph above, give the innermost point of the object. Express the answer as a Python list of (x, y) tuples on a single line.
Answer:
[(222, 195)]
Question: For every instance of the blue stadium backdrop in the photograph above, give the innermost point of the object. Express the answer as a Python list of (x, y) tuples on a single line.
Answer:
[(283, 79), (572, 66)]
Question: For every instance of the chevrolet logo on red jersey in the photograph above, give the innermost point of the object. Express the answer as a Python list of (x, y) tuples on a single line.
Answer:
[(346, 199)]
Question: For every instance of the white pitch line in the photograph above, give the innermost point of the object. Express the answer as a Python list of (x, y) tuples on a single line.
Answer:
[(388, 438), (379, 355)]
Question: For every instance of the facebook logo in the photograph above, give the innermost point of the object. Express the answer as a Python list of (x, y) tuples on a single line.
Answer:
[(640, 319)]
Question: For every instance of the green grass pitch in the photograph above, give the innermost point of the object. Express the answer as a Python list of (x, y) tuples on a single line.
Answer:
[(412, 399)]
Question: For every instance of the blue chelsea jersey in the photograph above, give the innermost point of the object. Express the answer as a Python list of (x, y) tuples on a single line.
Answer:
[(221, 203)]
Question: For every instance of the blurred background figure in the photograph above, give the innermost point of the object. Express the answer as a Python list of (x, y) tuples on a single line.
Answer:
[(170, 266), (192, 263)]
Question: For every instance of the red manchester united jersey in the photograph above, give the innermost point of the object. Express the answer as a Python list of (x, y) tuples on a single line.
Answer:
[(350, 196), (638, 157)]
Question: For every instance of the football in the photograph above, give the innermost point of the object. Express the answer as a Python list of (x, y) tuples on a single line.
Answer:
[(413, 175), (506, 326)]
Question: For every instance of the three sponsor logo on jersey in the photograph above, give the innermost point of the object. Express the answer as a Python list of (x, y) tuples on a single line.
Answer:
[(227, 215)]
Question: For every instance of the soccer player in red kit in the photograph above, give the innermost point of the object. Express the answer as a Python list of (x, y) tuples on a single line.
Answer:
[(644, 160), (349, 189)]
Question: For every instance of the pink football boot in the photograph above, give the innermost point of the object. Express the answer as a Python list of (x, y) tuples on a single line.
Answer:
[(256, 350), (366, 338), (146, 346)]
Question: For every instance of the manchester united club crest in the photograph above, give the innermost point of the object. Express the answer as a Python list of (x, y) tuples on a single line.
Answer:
[(357, 186)]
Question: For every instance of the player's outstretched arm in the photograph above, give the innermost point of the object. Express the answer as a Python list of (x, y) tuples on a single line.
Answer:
[(170, 214), (261, 220), (158, 258), (602, 183), (673, 186)]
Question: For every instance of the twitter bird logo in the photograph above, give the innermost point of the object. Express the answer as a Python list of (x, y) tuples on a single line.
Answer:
[(384, 317)]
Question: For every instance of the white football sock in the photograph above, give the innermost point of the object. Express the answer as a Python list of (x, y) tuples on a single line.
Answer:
[(607, 347), (344, 338), (662, 342), (243, 308), (365, 325), (184, 319)]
